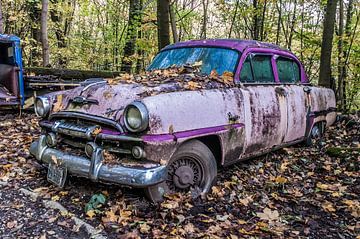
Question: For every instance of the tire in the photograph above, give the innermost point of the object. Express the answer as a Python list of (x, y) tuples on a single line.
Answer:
[(316, 134), (193, 166)]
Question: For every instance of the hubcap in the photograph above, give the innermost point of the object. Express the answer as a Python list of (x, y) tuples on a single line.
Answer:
[(315, 132), (184, 173)]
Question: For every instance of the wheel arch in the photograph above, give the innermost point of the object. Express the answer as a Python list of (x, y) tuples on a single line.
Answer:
[(213, 142)]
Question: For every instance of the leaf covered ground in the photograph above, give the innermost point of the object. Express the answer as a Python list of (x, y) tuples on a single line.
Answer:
[(295, 192)]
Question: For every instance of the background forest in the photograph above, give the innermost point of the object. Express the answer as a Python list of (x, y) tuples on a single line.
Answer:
[(124, 35)]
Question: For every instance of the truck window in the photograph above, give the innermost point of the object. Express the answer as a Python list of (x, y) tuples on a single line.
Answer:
[(246, 74), (288, 70), (262, 68)]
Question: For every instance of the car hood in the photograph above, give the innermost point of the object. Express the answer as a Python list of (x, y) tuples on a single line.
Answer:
[(105, 99)]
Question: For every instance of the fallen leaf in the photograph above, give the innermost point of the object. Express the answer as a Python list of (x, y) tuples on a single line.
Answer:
[(268, 215)]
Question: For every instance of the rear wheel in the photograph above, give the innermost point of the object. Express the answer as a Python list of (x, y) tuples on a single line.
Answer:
[(316, 134), (192, 167)]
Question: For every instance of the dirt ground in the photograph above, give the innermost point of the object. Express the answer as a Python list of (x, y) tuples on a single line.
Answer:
[(296, 192)]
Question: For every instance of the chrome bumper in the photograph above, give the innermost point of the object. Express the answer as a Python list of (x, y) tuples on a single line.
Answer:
[(94, 168)]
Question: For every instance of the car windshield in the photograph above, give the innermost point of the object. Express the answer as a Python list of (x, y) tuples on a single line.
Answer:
[(211, 58)]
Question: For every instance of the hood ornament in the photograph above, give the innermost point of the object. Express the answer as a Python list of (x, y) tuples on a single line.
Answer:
[(82, 100)]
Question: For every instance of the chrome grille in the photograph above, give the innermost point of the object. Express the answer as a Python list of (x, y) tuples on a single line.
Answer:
[(74, 130)]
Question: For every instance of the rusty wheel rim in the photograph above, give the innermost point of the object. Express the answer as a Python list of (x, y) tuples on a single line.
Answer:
[(183, 174)]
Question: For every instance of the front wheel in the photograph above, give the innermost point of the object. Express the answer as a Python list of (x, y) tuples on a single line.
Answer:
[(192, 167)]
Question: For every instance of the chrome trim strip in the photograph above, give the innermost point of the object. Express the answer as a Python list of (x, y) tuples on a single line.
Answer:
[(92, 118)]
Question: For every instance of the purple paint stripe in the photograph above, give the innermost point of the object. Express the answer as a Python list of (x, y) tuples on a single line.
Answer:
[(110, 132), (190, 133)]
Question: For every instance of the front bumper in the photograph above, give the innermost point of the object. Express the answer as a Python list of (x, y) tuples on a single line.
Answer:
[(94, 168)]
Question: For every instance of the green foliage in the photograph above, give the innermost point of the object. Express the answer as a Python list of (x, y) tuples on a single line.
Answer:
[(91, 34), (96, 201)]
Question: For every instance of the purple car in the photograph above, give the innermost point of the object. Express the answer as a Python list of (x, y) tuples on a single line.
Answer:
[(201, 105)]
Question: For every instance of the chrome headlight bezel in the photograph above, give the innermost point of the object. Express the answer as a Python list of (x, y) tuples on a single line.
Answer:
[(45, 104), (143, 113)]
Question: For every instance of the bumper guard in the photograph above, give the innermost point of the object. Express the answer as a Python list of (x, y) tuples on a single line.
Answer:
[(94, 168)]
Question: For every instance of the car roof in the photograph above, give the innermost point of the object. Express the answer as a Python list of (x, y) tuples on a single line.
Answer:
[(236, 44), (9, 38)]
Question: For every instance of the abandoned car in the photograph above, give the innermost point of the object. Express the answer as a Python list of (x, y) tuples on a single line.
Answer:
[(11, 74), (201, 104)]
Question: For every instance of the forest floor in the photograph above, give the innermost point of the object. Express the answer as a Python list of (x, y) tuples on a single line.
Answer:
[(296, 192)]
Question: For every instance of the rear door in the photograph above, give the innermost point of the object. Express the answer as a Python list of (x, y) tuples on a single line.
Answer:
[(265, 107), (288, 71)]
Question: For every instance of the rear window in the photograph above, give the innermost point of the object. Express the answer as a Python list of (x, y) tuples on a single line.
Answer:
[(288, 70), (262, 69)]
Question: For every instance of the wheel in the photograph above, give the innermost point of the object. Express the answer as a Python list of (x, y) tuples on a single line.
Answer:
[(193, 166), (316, 134)]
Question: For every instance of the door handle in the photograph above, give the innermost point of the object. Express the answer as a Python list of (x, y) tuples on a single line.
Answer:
[(281, 91)]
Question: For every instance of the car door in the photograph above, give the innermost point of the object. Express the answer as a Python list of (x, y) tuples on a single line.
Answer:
[(288, 71), (265, 106)]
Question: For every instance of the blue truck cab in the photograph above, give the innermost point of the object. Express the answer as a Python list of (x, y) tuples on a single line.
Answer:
[(11, 72)]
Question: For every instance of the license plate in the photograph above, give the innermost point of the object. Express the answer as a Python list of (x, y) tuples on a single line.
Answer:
[(56, 175)]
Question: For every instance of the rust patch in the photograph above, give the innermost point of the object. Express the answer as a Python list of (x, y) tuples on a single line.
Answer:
[(155, 122)]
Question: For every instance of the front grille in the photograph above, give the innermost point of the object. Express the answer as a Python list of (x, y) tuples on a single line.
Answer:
[(75, 130)]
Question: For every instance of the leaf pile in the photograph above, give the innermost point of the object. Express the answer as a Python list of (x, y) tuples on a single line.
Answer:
[(185, 78), (296, 192)]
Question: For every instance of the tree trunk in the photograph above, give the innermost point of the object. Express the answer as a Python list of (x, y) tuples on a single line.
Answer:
[(340, 93), (292, 27), (346, 52), (256, 20), (163, 23), (262, 32), (234, 18), (278, 23), (1, 19), (326, 47), (205, 16), (173, 22), (131, 36), (44, 33)]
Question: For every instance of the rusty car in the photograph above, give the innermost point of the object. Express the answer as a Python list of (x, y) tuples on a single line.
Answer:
[(201, 105)]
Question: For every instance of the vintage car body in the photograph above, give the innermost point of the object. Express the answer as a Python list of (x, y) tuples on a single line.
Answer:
[(235, 123)]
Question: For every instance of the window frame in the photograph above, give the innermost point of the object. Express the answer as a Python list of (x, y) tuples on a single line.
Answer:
[(239, 54), (251, 55)]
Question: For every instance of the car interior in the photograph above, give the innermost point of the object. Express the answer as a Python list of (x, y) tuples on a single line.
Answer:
[(9, 81)]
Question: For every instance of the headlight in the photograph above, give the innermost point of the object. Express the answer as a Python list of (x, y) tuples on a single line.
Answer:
[(42, 106), (136, 117)]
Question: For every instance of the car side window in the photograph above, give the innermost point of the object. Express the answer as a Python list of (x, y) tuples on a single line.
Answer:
[(246, 74), (288, 70), (262, 68)]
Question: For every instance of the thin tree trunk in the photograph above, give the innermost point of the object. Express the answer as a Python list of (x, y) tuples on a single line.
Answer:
[(140, 51), (234, 18), (44, 33), (347, 48), (302, 32), (263, 21), (205, 16), (293, 21), (326, 47), (340, 93), (131, 36), (256, 20), (278, 23), (1, 20), (163, 23), (173, 22)]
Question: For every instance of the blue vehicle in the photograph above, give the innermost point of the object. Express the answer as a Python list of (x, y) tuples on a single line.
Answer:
[(18, 85), (11, 72)]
